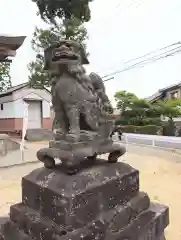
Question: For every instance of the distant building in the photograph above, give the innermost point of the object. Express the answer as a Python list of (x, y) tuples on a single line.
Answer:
[(12, 108), (170, 92)]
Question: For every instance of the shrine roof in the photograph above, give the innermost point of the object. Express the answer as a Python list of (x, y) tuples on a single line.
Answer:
[(9, 45)]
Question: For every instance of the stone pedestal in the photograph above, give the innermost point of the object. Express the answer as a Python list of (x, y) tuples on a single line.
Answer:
[(101, 202)]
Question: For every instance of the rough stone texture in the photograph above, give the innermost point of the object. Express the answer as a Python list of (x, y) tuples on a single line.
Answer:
[(33, 135), (82, 110), (147, 226), (98, 203), (79, 198)]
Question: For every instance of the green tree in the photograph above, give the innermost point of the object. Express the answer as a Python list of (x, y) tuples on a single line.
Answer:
[(51, 10), (136, 111), (169, 108), (5, 80), (140, 112), (71, 29), (124, 100)]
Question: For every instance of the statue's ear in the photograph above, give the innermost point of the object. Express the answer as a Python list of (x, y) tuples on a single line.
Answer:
[(83, 55), (85, 60)]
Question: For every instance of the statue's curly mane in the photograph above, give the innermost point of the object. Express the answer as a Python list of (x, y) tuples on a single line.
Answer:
[(76, 71)]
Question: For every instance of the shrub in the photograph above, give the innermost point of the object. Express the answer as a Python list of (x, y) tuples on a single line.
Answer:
[(129, 128), (122, 121), (148, 129), (138, 122)]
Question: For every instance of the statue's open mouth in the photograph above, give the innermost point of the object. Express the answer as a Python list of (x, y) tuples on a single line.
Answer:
[(59, 55)]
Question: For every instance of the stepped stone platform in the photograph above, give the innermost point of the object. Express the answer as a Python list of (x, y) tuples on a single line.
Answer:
[(101, 202)]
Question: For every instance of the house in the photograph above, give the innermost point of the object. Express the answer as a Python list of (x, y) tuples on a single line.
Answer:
[(170, 92), (12, 108)]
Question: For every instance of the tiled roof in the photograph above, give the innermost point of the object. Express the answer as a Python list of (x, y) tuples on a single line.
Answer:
[(170, 87), (160, 92), (11, 43)]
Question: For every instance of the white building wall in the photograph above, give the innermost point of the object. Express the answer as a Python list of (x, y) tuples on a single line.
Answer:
[(13, 105), (33, 94), (8, 110), (14, 109), (18, 108)]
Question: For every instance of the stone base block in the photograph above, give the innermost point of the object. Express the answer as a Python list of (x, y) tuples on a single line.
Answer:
[(73, 201), (101, 202), (148, 225)]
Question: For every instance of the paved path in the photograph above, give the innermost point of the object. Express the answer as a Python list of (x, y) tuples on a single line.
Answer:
[(160, 176), (15, 157)]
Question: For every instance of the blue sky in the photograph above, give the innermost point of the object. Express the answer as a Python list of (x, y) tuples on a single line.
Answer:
[(116, 35)]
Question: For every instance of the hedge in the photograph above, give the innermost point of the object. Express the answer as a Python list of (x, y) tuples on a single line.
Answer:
[(138, 122), (148, 129)]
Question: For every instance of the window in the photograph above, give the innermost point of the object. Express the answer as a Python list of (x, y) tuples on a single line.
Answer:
[(2, 107), (174, 95)]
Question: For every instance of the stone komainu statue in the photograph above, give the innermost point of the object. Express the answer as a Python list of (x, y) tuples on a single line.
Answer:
[(78, 100), (81, 106)]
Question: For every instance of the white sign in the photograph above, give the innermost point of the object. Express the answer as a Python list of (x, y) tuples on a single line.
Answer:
[(24, 129)]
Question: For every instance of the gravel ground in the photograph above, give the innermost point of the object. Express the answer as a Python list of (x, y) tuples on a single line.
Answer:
[(160, 177)]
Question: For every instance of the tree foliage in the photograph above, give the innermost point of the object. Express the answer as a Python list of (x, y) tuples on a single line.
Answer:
[(124, 100), (139, 111), (50, 10), (169, 108), (72, 29), (5, 80)]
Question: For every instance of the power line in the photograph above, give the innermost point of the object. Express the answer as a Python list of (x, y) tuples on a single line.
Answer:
[(172, 53), (108, 79), (139, 65), (147, 54), (157, 50), (127, 8), (168, 55), (115, 13), (139, 58), (147, 61)]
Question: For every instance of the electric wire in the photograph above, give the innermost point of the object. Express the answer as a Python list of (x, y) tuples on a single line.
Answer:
[(139, 64), (115, 13), (153, 58)]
